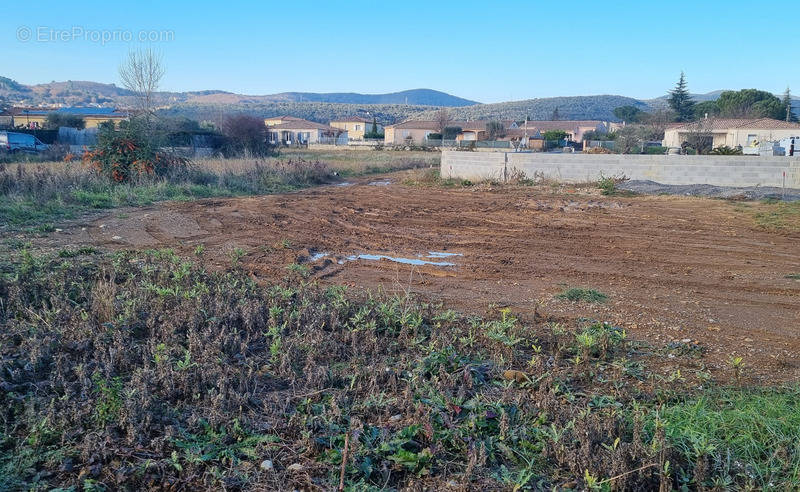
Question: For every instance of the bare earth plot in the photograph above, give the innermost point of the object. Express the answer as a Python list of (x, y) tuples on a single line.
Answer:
[(674, 268)]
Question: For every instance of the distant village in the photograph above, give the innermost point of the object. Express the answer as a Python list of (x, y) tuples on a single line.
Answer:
[(758, 136)]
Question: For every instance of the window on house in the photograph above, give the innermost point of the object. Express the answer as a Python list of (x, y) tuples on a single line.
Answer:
[(358, 128)]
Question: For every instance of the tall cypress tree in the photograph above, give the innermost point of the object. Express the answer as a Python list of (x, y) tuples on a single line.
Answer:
[(787, 105), (681, 101)]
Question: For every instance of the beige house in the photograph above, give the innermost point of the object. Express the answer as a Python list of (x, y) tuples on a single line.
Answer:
[(356, 126), (416, 132), (33, 118), (731, 132), (413, 132), (300, 132), (573, 128)]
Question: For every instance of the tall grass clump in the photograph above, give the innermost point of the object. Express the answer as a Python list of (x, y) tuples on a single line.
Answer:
[(32, 193)]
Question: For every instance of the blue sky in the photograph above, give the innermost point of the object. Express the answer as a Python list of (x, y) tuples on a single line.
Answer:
[(481, 50)]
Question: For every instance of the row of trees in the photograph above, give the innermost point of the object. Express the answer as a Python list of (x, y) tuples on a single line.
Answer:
[(746, 103)]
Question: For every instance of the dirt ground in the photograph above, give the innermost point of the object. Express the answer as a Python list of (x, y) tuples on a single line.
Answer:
[(674, 268)]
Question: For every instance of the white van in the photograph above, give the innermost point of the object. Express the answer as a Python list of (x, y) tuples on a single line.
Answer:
[(12, 142)]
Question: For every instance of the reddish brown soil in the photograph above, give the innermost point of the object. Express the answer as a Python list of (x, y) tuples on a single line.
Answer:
[(674, 268)]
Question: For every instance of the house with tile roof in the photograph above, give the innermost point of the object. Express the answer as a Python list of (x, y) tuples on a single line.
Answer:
[(575, 129), (736, 132), (277, 120), (34, 118), (417, 131), (356, 126), (301, 132)]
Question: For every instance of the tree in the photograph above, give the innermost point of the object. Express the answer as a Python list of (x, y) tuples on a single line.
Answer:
[(787, 104), (374, 132), (681, 101), (706, 108), (657, 122), (555, 116), (700, 137), (495, 130), (442, 119), (554, 135), (245, 135), (628, 139), (629, 114), (750, 103), (451, 132), (141, 74), (56, 120)]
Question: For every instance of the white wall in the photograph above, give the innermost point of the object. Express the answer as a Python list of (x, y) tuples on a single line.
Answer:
[(665, 169)]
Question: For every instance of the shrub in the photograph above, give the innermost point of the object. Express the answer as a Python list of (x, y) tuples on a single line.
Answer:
[(130, 153), (725, 150), (245, 135), (554, 135), (586, 295), (57, 120)]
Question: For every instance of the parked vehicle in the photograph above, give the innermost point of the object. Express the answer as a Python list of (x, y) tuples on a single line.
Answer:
[(12, 142)]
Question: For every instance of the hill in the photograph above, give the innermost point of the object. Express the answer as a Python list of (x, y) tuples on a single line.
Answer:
[(323, 107), (569, 108), (82, 93)]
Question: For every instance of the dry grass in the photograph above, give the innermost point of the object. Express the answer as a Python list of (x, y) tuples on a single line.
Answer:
[(34, 193)]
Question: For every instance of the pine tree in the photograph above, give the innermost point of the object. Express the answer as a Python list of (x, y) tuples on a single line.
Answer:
[(555, 116), (681, 101), (787, 104), (374, 127)]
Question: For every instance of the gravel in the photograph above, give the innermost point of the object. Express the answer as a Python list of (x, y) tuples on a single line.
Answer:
[(705, 190)]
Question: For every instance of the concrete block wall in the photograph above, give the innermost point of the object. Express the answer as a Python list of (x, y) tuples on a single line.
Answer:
[(665, 169)]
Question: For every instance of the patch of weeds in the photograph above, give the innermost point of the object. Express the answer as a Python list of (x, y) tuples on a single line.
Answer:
[(93, 199), (730, 435), (793, 276), (299, 269), (585, 295), (17, 244), (72, 253), (43, 228), (608, 186), (109, 401), (679, 348), (781, 216), (236, 255), (225, 445)]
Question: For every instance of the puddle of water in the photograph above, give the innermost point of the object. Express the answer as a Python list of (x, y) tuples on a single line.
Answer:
[(380, 183), (441, 254), (418, 261), (346, 183), (405, 261)]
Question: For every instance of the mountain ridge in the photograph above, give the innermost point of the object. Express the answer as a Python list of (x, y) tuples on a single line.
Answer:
[(322, 107)]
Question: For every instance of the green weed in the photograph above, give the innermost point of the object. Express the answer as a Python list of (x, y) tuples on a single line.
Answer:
[(585, 295)]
